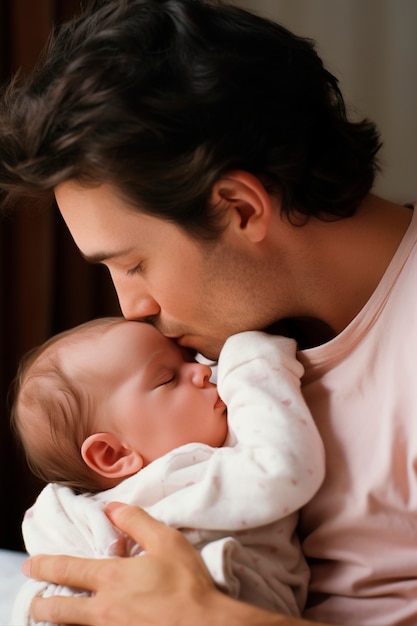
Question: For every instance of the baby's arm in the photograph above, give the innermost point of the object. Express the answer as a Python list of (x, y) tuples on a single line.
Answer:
[(275, 461)]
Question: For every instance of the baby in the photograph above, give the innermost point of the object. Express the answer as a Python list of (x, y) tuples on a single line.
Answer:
[(114, 410)]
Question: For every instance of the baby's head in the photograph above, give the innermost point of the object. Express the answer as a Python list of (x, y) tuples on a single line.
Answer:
[(97, 403)]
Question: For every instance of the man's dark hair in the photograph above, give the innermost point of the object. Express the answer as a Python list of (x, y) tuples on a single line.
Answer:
[(162, 97)]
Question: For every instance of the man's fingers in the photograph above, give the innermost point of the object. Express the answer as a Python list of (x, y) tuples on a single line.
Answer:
[(63, 570), (159, 540), (124, 590), (141, 527), (57, 609)]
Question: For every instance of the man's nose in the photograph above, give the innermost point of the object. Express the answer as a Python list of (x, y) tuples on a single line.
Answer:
[(135, 303)]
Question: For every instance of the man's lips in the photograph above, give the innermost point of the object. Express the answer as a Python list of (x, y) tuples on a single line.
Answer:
[(177, 338), (182, 343)]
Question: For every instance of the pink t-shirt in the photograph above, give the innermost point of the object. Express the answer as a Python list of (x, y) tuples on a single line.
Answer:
[(360, 531)]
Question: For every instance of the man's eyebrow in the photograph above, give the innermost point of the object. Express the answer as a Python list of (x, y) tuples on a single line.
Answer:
[(99, 257), (96, 258)]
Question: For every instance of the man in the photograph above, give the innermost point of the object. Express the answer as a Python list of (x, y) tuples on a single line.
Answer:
[(204, 156)]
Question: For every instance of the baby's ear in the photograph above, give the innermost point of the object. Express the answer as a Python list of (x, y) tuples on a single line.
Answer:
[(105, 454)]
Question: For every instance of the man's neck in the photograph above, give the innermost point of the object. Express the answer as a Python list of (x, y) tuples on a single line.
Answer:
[(345, 262)]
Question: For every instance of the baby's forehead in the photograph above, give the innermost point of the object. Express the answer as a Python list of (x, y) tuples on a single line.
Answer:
[(66, 347), (87, 334), (107, 335), (89, 346)]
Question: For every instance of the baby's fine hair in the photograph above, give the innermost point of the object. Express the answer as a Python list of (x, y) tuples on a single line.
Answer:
[(162, 97), (52, 413)]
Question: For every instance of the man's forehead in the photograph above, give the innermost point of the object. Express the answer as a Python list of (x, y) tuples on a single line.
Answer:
[(102, 225)]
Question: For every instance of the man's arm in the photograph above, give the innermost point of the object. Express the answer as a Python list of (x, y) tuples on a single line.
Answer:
[(168, 585)]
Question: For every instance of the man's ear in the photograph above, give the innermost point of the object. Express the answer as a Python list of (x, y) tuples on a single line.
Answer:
[(249, 203), (104, 453)]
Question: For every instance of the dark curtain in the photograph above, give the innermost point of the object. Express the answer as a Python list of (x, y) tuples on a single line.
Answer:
[(45, 286)]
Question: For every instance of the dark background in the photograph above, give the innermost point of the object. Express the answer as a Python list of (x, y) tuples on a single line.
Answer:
[(45, 285)]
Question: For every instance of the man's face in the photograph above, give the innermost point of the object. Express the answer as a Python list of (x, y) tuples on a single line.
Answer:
[(195, 291)]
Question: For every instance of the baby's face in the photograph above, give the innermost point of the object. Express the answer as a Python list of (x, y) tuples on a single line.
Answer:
[(150, 393)]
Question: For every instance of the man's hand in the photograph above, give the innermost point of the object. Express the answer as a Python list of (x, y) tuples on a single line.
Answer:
[(168, 585), (148, 589)]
